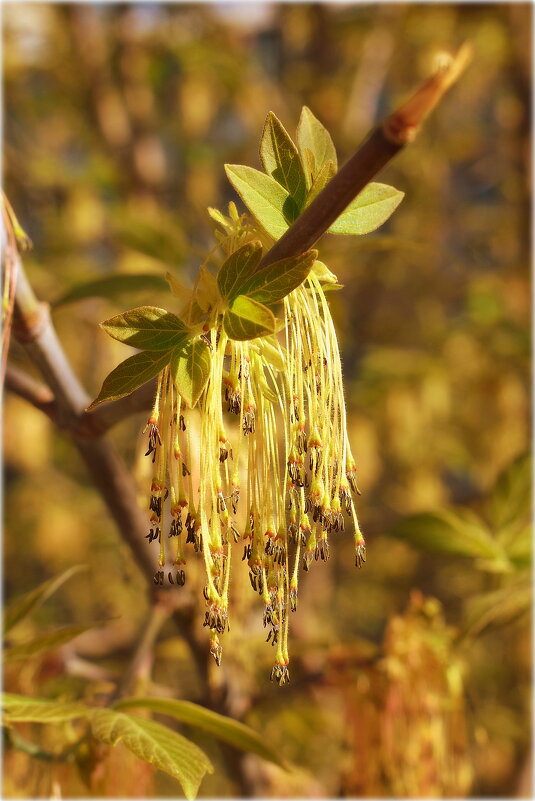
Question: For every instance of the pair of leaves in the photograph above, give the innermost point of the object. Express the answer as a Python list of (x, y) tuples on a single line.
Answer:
[(165, 341), (147, 739), (294, 176), (248, 293)]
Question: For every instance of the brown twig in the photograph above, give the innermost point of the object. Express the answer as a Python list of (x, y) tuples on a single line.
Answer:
[(384, 142)]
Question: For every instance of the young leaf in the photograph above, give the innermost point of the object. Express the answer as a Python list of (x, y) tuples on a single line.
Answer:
[(231, 731), (20, 709), (45, 642), (248, 319), (165, 749), (280, 159), (277, 280), (239, 266), (113, 287), (131, 374), (206, 294), (320, 181), (178, 289), (314, 137), (500, 607), (21, 607), (323, 274), (264, 197), (190, 369), (370, 209), (147, 328)]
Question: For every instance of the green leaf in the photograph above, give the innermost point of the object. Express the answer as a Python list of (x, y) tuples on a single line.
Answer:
[(248, 319), (277, 280), (239, 266), (165, 749), (20, 709), (370, 209), (230, 731), (280, 159), (131, 374), (510, 500), (113, 287), (500, 607), (313, 137), (21, 607), (320, 181), (265, 198), (190, 369), (323, 274), (444, 531), (147, 328), (45, 642)]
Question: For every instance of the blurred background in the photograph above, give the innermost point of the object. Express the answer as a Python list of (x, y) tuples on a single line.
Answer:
[(411, 677)]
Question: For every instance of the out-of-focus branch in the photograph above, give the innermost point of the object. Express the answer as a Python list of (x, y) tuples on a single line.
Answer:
[(384, 142), (23, 385)]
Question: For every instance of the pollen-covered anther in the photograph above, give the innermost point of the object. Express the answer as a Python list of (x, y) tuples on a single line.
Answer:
[(154, 534), (296, 468), (249, 419), (232, 395), (176, 527), (216, 617), (360, 555), (154, 436), (215, 648), (322, 549), (280, 674), (351, 473)]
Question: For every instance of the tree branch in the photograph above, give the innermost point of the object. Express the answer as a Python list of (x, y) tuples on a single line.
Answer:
[(385, 141)]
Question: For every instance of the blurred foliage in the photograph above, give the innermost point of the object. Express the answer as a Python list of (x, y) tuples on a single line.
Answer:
[(118, 120)]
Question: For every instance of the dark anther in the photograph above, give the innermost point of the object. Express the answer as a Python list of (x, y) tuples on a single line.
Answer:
[(154, 440), (154, 534), (176, 527), (360, 557), (181, 423), (158, 577), (170, 578), (185, 471), (180, 578)]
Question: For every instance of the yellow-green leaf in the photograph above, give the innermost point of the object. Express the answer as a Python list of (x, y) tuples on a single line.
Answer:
[(277, 280), (21, 709), (190, 369), (264, 197), (280, 159), (320, 181), (370, 209), (22, 606), (248, 319), (131, 374), (147, 328), (113, 287), (231, 731), (323, 274), (160, 746), (239, 266), (45, 642), (314, 137)]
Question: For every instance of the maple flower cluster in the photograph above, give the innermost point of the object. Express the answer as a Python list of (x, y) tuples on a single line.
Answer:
[(254, 350)]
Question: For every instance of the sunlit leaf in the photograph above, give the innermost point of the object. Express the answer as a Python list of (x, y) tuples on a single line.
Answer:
[(277, 280), (271, 354), (21, 709), (370, 209), (44, 642), (320, 181), (207, 294), (231, 731), (131, 374), (147, 328), (313, 137), (248, 319), (239, 266), (280, 159), (190, 369), (154, 743), (263, 196), (24, 605), (444, 531), (113, 287), (323, 274)]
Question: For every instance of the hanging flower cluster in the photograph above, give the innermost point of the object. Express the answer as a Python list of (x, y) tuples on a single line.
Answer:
[(254, 350)]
